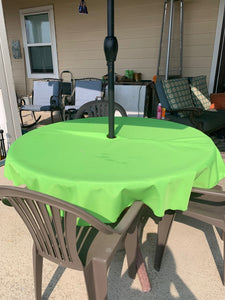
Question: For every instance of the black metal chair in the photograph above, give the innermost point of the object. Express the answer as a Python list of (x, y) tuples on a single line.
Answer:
[(85, 90), (45, 97)]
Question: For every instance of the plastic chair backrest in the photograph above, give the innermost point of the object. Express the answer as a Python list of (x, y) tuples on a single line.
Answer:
[(99, 108), (57, 237), (44, 90), (52, 224), (87, 90)]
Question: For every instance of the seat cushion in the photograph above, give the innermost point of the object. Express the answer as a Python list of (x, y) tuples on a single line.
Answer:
[(45, 108), (43, 90), (70, 107), (161, 94), (199, 92), (178, 94), (87, 90), (210, 120)]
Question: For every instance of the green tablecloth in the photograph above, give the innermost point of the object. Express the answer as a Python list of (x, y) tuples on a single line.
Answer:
[(155, 161)]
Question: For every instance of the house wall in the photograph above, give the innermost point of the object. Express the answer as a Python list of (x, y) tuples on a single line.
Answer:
[(137, 27), (200, 20)]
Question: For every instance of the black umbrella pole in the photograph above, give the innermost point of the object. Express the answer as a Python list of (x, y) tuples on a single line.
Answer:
[(111, 49), (111, 96)]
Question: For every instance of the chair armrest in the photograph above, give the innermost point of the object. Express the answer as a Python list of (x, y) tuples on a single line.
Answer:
[(99, 98), (131, 214), (213, 191), (56, 102)]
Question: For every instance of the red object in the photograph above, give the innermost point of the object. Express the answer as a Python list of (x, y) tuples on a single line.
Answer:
[(218, 101), (159, 111)]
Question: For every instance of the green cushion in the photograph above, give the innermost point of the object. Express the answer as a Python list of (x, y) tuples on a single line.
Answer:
[(178, 94), (199, 92)]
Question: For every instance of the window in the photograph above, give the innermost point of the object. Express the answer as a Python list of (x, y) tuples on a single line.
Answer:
[(39, 42)]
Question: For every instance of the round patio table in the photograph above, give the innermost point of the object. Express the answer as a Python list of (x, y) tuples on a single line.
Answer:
[(154, 161)]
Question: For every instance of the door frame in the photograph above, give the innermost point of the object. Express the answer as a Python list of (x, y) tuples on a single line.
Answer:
[(9, 117), (216, 45)]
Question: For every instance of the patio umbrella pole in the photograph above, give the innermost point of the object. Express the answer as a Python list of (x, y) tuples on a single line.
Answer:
[(111, 49)]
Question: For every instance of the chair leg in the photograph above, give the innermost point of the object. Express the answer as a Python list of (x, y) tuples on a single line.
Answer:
[(52, 117), (30, 125), (21, 118), (37, 267), (223, 257), (131, 251), (95, 274), (34, 116), (62, 115), (163, 233)]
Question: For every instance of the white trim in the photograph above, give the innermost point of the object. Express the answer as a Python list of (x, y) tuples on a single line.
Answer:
[(216, 45), (8, 103), (36, 10)]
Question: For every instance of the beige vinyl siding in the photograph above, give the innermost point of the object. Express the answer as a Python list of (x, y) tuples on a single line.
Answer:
[(80, 38), (13, 28), (200, 20)]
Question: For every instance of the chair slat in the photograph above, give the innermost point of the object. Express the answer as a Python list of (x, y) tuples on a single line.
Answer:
[(36, 211), (26, 205), (48, 222), (48, 232), (16, 202), (70, 225), (85, 232), (57, 220)]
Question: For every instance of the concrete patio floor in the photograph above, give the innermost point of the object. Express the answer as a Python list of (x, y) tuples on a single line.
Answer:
[(191, 269)]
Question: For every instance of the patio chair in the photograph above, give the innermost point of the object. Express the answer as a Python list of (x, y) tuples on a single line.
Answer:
[(86, 89), (98, 108), (188, 102), (205, 205), (45, 97), (52, 224)]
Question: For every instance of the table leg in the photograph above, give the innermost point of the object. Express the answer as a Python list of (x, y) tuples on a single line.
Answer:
[(163, 233)]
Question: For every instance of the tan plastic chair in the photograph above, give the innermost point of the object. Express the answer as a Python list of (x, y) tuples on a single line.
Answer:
[(205, 205), (98, 108), (52, 224)]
